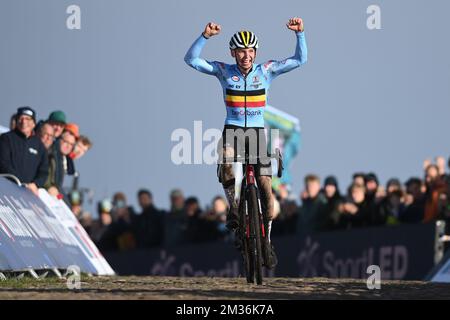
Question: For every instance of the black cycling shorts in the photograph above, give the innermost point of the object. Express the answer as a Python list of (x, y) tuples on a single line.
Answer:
[(246, 140)]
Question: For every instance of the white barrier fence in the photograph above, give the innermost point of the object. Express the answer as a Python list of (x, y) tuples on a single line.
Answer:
[(41, 233)]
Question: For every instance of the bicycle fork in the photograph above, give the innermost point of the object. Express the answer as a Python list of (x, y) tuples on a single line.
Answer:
[(251, 183)]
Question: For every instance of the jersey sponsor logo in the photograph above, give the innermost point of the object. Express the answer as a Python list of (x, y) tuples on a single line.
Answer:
[(250, 113), (255, 79), (33, 151), (235, 78), (256, 85)]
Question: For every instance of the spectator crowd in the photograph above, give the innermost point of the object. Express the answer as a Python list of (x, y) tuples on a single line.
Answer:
[(322, 208), (41, 154), (120, 227)]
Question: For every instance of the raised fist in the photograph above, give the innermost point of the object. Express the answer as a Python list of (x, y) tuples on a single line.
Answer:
[(211, 29), (295, 24)]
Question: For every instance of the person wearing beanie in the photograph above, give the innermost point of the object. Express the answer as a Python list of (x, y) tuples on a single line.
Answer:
[(371, 184), (371, 177), (393, 184), (332, 181), (60, 162), (58, 120), (334, 201), (358, 178), (73, 129), (22, 153), (26, 111)]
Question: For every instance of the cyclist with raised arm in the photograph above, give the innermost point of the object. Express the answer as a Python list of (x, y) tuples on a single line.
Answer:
[(245, 89)]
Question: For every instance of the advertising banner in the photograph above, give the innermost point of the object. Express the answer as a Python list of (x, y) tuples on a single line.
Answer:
[(41, 233), (401, 252)]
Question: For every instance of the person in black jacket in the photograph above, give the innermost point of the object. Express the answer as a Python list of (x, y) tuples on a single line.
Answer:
[(358, 211), (414, 202), (334, 201), (150, 223), (312, 213), (22, 153), (193, 223)]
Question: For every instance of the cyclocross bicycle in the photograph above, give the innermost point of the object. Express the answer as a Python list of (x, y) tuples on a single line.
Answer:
[(252, 231)]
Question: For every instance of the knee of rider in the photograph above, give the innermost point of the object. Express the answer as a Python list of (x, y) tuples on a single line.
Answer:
[(228, 154), (227, 173), (266, 183)]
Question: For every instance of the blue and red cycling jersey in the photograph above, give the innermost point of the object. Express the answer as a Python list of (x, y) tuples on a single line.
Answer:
[(245, 97)]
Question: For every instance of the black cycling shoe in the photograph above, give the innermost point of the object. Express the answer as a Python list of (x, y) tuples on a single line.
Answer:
[(271, 259)]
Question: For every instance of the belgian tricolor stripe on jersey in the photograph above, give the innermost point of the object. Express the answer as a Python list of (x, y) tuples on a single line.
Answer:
[(240, 99)]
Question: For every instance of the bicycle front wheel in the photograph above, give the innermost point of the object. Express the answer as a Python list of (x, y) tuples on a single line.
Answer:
[(255, 243)]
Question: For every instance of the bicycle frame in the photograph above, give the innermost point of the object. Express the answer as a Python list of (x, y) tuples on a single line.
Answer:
[(252, 222), (250, 180)]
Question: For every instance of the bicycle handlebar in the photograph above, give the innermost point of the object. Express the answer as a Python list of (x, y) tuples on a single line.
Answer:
[(247, 159)]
